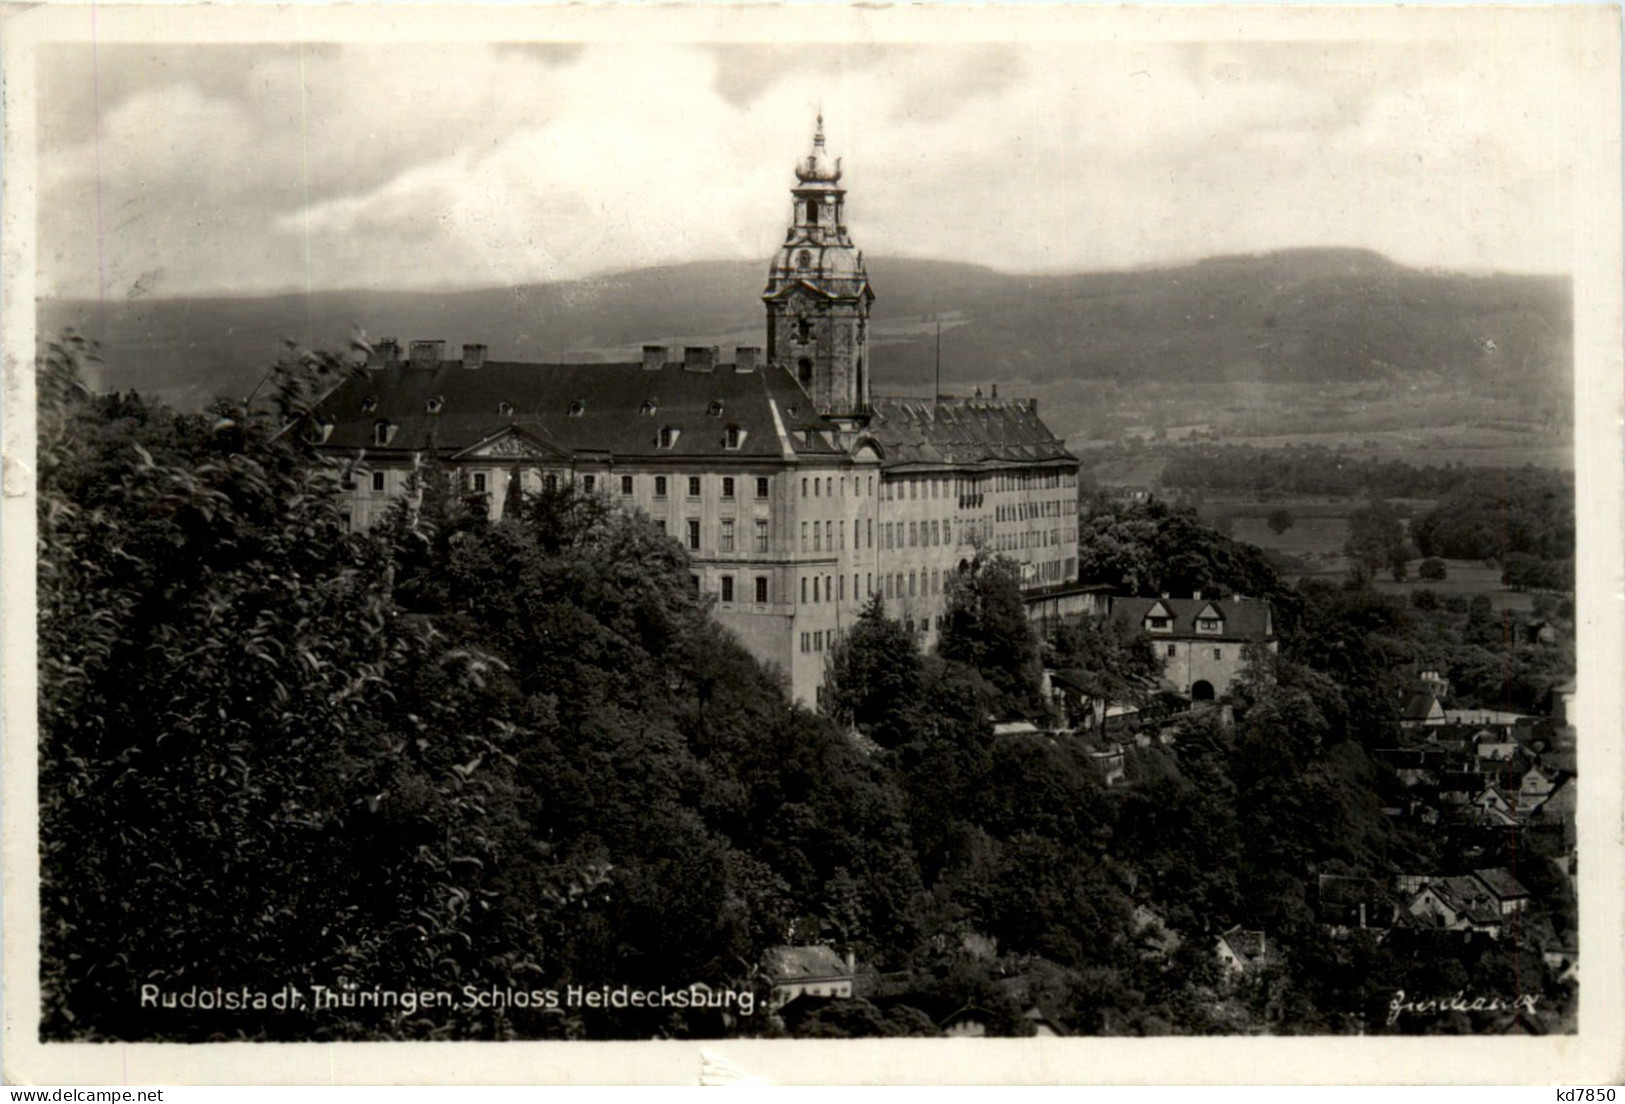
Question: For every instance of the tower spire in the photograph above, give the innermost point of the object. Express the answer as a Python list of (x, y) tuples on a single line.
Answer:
[(818, 293)]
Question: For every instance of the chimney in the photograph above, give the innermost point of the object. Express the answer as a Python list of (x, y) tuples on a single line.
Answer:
[(427, 354), (386, 353), (473, 356), (654, 358), (851, 962), (746, 358), (699, 358), (995, 391)]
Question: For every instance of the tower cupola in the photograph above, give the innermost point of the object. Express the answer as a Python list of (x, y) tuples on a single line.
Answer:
[(818, 292)]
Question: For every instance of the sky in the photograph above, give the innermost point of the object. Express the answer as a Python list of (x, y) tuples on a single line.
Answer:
[(186, 169)]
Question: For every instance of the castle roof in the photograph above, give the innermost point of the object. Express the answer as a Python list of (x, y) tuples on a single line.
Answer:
[(615, 409), (969, 434)]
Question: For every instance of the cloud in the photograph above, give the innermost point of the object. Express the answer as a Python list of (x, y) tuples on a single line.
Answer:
[(226, 168)]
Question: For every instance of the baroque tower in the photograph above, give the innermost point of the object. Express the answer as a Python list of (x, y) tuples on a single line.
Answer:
[(818, 293)]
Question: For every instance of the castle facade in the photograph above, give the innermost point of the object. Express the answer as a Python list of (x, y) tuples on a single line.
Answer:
[(796, 493)]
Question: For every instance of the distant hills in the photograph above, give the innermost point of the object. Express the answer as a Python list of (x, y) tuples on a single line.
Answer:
[(1316, 317)]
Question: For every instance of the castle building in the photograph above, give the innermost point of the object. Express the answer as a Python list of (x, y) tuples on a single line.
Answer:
[(795, 492)]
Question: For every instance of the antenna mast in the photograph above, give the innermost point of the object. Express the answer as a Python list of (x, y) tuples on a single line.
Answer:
[(937, 395)]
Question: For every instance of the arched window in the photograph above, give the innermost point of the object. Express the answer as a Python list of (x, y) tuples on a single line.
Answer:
[(804, 370)]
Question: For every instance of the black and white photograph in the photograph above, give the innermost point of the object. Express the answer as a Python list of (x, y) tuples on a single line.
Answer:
[(750, 528)]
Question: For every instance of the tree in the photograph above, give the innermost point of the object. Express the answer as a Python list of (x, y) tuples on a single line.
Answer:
[(1376, 538), (985, 627), (1432, 569), (235, 719), (873, 672), (1280, 520)]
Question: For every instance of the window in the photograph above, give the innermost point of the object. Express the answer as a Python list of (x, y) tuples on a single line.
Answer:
[(816, 581), (841, 593), (804, 369), (869, 583), (761, 534), (829, 487), (818, 640), (913, 534), (660, 486), (1218, 653), (648, 408), (804, 536), (377, 481), (829, 535), (733, 437), (626, 484), (817, 537), (1158, 624), (479, 482), (693, 486), (552, 481), (727, 588), (841, 534), (761, 486), (727, 535), (870, 526), (369, 404), (694, 582), (806, 641), (804, 487), (727, 486), (912, 588), (761, 588), (804, 258), (815, 488), (714, 409), (504, 408), (589, 483), (577, 409), (1208, 624), (803, 590), (382, 433), (435, 405), (1173, 649), (693, 533), (668, 436)]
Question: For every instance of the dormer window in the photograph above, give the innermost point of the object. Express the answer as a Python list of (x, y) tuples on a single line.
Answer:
[(715, 409), (1159, 624), (383, 432), (577, 409), (733, 437), (505, 408), (435, 405), (318, 431), (1208, 624), (648, 408), (369, 404), (668, 436)]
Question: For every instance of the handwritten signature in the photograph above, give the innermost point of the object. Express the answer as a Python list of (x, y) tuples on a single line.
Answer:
[(1460, 1002)]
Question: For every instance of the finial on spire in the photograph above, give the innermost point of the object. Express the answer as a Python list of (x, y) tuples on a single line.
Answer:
[(818, 135)]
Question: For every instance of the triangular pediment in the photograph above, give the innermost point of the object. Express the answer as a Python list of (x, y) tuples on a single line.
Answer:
[(1159, 610), (1210, 612), (513, 443)]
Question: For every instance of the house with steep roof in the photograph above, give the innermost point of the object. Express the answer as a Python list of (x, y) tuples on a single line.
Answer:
[(1201, 641), (1421, 709), (1505, 890), (795, 493), (807, 971), (1240, 951)]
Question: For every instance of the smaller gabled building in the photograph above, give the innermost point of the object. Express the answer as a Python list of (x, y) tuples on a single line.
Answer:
[(1200, 640), (807, 971)]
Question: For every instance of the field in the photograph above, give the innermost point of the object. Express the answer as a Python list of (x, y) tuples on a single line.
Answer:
[(1316, 538)]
